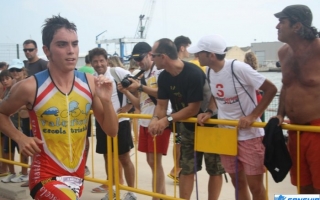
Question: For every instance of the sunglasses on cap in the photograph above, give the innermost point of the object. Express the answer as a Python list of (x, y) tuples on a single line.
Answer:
[(139, 58), (15, 70), (30, 50)]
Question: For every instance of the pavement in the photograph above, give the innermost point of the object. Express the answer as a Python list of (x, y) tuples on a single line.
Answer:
[(15, 192)]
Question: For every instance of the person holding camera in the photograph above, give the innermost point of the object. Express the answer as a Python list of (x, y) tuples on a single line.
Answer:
[(146, 102), (99, 60)]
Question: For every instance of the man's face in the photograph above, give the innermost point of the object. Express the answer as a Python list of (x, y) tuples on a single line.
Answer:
[(64, 50), (185, 53), (17, 74), (30, 51), (7, 81), (203, 57), (100, 64), (157, 57), (144, 61), (285, 30)]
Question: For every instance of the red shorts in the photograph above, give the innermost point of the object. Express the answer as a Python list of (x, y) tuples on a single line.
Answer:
[(250, 158), (309, 157), (146, 141)]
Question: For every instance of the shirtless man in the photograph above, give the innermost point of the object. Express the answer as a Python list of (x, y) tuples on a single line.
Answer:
[(59, 100), (300, 63)]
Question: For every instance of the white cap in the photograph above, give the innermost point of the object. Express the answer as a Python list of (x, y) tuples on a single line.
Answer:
[(211, 43), (16, 63)]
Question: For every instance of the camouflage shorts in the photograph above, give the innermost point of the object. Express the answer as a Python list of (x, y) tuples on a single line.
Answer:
[(212, 161)]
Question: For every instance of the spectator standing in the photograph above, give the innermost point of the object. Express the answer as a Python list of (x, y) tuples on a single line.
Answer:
[(183, 84), (300, 93), (233, 85)]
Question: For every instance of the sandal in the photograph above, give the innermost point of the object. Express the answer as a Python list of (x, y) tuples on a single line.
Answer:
[(99, 189), (174, 178)]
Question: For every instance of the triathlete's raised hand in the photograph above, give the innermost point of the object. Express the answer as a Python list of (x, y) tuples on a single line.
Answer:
[(103, 87)]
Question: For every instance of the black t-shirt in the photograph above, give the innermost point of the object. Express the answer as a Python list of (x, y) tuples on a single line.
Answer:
[(38, 66), (186, 87)]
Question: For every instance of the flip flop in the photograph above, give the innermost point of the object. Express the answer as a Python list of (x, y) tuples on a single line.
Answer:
[(99, 189), (174, 178), (26, 184)]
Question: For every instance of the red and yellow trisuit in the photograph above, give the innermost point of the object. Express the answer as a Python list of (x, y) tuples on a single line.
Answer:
[(60, 121)]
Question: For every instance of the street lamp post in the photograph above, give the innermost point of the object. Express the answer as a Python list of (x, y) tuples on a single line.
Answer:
[(99, 45)]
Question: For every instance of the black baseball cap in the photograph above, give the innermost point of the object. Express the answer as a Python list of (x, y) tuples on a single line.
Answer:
[(140, 48), (299, 13)]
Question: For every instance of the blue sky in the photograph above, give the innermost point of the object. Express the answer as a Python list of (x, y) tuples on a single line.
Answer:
[(239, 22)]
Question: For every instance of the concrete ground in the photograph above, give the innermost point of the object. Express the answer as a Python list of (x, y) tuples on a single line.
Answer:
[(144, 181)]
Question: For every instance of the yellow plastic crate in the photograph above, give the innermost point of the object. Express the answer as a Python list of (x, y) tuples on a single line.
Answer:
[(216, 140)]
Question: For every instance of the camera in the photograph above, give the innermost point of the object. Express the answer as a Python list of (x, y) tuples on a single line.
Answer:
[(126, 82)]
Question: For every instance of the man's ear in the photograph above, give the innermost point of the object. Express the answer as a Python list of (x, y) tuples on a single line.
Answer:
[(46, 51), (297, 26)]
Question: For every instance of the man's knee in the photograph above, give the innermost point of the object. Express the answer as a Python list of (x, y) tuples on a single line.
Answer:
[(125, 159)]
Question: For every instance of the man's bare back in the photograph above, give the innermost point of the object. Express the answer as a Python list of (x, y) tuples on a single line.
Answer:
[(301, 81)]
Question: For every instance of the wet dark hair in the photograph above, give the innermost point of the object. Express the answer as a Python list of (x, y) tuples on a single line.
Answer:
[(98, 52), (166, 46), (51, 26), (30, 42), (181, 41)]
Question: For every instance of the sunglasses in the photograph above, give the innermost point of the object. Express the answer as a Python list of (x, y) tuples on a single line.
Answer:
[(139, 58), (15, 70), (30, 50), (156, 54)]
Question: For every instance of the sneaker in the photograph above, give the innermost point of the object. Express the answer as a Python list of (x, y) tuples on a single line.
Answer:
[(20, 178), (106, 197), (86, 171), (8, 178), (130, 196)]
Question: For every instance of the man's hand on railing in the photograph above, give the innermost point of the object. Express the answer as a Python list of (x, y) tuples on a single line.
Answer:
[(245, 122), (203, 117), (156, 127), (281, 119)]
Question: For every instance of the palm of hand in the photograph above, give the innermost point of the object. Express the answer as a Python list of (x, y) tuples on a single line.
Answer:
[(104, 90)]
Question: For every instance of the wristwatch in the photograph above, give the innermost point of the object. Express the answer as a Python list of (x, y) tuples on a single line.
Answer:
[(169, 118)]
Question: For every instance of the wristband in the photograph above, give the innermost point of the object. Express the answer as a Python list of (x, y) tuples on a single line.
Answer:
[(209, 111), (155, 117), (140, 88)]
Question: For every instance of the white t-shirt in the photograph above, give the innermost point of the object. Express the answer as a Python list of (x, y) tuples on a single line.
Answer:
[(114, 98), (223, 89), (146, 104)]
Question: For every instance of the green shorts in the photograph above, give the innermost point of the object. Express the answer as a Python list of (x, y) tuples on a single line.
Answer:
[(187, 159)]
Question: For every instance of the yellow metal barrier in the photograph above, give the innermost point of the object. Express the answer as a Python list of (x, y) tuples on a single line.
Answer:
[(231, 140), (216, 140)]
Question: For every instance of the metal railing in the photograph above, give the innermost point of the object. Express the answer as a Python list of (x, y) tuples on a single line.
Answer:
[(114, 154)]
